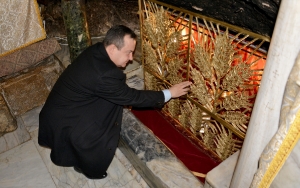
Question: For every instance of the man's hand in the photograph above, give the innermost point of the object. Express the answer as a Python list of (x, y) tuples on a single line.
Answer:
[(180, 89)]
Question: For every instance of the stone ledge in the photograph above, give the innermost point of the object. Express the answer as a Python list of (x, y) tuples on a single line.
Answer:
[(220, 176), (154, 156)]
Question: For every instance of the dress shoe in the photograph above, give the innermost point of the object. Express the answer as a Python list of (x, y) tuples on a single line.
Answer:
[(89, 177)]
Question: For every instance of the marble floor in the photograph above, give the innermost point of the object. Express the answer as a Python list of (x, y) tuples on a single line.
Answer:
[(23, 163)]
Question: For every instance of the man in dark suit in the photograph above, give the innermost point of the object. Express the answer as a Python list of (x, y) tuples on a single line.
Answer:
[(81, 119)]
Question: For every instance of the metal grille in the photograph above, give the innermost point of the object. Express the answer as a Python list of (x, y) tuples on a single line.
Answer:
[(224, 62)]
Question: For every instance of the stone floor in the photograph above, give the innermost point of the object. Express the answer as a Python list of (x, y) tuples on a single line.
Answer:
[(29, 165)]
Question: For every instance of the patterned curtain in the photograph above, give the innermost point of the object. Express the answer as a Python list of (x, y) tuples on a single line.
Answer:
[(279, 162), (20, 25)]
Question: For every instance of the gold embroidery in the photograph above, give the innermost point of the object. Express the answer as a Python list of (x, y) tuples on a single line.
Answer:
[(285, 149), (22, 25)]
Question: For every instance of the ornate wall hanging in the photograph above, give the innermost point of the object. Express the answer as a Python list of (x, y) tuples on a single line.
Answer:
[(224, 62), (21, 25)]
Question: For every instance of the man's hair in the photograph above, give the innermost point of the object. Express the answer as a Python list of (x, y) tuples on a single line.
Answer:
[(115, 35)]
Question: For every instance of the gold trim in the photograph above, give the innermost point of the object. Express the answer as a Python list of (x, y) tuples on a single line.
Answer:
[(198, 174), (284, 151), (36, 5), (44, 35)]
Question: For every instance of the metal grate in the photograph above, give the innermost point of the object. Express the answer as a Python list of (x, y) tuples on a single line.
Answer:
[(224, 62)]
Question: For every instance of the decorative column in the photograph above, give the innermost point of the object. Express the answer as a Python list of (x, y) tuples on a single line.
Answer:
[(75, 21), (264, 122)]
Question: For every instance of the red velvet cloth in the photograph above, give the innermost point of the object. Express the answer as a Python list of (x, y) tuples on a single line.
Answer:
[(193, 158)]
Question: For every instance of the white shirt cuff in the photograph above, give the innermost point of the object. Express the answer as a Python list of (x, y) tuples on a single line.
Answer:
[(167, 94)]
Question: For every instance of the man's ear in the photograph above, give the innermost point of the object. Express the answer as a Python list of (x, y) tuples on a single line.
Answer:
[(110, 49)]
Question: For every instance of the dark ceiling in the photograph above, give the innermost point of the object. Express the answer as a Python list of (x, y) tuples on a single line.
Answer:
[(258, 16)]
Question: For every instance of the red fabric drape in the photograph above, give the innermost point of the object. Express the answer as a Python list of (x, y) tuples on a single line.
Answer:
[(193, 158)]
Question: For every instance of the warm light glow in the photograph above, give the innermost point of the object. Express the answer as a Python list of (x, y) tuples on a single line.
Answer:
[(183, 32)]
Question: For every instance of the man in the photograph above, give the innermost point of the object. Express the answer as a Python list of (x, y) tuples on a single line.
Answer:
[(81, 119)]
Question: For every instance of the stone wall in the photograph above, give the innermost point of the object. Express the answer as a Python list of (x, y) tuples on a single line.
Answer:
[(101, 15), (258, 16)]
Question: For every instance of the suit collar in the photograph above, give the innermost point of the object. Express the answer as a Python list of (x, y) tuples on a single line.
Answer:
[(102, 50), (103, 53)]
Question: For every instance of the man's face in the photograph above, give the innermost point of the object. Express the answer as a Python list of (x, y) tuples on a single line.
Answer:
[(125, 54)]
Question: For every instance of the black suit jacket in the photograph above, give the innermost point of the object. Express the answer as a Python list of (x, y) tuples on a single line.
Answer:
[(81, 118)]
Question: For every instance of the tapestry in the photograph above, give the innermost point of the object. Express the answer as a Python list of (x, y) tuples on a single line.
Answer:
[(30, 55), (20, 25), (282, 152)]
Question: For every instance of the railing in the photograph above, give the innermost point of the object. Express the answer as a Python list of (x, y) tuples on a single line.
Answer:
[(224, 62)]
